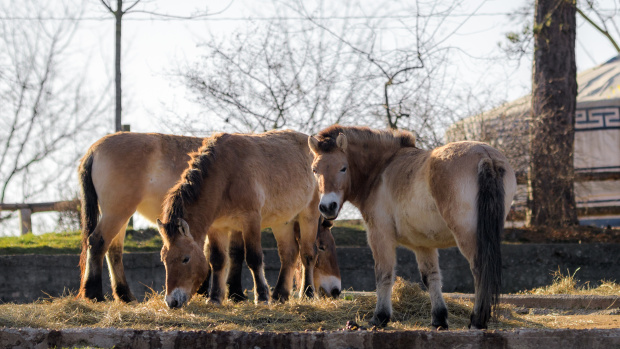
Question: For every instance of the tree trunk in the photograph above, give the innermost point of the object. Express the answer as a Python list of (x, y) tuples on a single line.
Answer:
[(117, 66), (552, 131)]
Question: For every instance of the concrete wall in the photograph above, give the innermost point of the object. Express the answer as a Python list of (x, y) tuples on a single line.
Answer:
[(25, 278)]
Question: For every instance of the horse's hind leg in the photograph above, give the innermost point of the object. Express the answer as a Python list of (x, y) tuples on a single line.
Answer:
[(254, 258), (114, 256), (428, 263), (98, 244), (288, 251), (236, 252)]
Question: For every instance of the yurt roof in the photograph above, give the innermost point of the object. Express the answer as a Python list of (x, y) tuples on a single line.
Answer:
[(597, 87)]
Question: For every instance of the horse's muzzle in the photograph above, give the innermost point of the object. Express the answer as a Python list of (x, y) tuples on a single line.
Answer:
[(335, 293), (329, 211), (176, 299)]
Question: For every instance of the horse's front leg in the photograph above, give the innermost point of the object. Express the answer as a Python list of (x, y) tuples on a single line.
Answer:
[(217, 250), (383, 246), (254, 257), (288, 250), (236, 252), (428, 263), (308, 252)]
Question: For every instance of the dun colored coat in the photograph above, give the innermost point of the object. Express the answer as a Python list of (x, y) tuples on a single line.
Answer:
[(128, 172), (457, 194)]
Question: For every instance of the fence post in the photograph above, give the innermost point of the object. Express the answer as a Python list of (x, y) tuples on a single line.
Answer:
[(25, 220)]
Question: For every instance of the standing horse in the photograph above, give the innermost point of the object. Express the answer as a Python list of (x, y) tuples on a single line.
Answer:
[(241, 183), (128, 172), (457, 194)]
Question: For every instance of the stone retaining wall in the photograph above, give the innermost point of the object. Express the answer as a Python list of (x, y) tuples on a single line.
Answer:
[(138, 339), (25, 278)]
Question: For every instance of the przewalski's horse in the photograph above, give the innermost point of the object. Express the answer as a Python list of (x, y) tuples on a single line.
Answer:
[(241, 183), (127, 172), (457, 194)]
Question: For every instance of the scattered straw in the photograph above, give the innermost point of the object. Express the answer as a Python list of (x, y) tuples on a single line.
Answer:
[(569, 284), (411, 311)]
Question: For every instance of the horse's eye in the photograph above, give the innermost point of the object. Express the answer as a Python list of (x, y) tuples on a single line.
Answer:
[(186, 260), (343, 170), (322, 247)]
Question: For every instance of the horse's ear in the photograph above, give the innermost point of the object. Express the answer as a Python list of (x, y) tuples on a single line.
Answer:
[(341, 141), (162, 232), (183, 227), (313, 143)]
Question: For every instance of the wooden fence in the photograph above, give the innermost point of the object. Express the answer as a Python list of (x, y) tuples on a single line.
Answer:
[(519, 214), (26, 210)]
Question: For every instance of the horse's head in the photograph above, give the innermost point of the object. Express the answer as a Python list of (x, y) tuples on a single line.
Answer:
[(184, 260), (330, 167), (326, 270)]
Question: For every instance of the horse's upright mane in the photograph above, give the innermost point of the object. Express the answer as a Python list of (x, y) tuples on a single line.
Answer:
[(189, 188), (356, 134)]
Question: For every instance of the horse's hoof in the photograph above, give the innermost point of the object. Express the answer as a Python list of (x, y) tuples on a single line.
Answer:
[(261, 301), (214, 301), (440, 327), (236, 297), (380, 320), (280, 297)]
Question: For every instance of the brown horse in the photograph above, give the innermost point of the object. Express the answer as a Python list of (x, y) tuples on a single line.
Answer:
[(241, 183), (128, 172), (457, 194)]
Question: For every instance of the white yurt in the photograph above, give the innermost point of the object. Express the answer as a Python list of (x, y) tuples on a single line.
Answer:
[(597, 141)]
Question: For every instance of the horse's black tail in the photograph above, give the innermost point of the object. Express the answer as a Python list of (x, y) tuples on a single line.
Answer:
[(89, 203), (488, 258)]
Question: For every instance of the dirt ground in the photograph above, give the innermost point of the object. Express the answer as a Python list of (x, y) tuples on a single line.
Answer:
[(579, 234)]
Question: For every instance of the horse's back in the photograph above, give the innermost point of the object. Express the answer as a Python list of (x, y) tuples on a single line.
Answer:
[(135, 170), (433, 194), (269, 171)]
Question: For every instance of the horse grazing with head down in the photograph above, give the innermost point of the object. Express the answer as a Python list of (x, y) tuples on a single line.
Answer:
[(458, 194), (239, 182), (127, 172)]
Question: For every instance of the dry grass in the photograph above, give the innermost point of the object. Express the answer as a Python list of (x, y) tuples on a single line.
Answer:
[(568, 284), (411, 311)]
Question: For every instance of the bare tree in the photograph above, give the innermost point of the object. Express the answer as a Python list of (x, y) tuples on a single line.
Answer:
[(118, 21), (311, 73), (46, 106), (520, 43), (118, 14), (554, 98)]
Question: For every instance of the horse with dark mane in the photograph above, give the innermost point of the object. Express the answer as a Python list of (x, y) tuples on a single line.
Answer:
[(458, 194), (127, 172), (240, 182)]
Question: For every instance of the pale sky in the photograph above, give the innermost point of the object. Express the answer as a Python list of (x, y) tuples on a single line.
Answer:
[(154, 48)]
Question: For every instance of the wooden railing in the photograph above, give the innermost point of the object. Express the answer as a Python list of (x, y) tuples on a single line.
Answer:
[(26, 210), (519, 215)]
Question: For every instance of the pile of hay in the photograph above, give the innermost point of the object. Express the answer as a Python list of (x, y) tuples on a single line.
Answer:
[(411, 311)]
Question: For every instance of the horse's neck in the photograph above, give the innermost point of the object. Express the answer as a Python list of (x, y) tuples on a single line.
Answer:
[(366, 169), (204, 211)]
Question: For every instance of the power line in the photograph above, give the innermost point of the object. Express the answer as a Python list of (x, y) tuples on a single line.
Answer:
[(271, 18)]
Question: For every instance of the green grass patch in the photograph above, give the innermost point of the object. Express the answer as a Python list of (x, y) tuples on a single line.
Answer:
[(346, 233), (147, 240)]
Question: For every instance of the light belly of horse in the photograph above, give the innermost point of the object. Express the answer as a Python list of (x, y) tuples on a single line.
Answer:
[(269, 218), (428, 230)]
